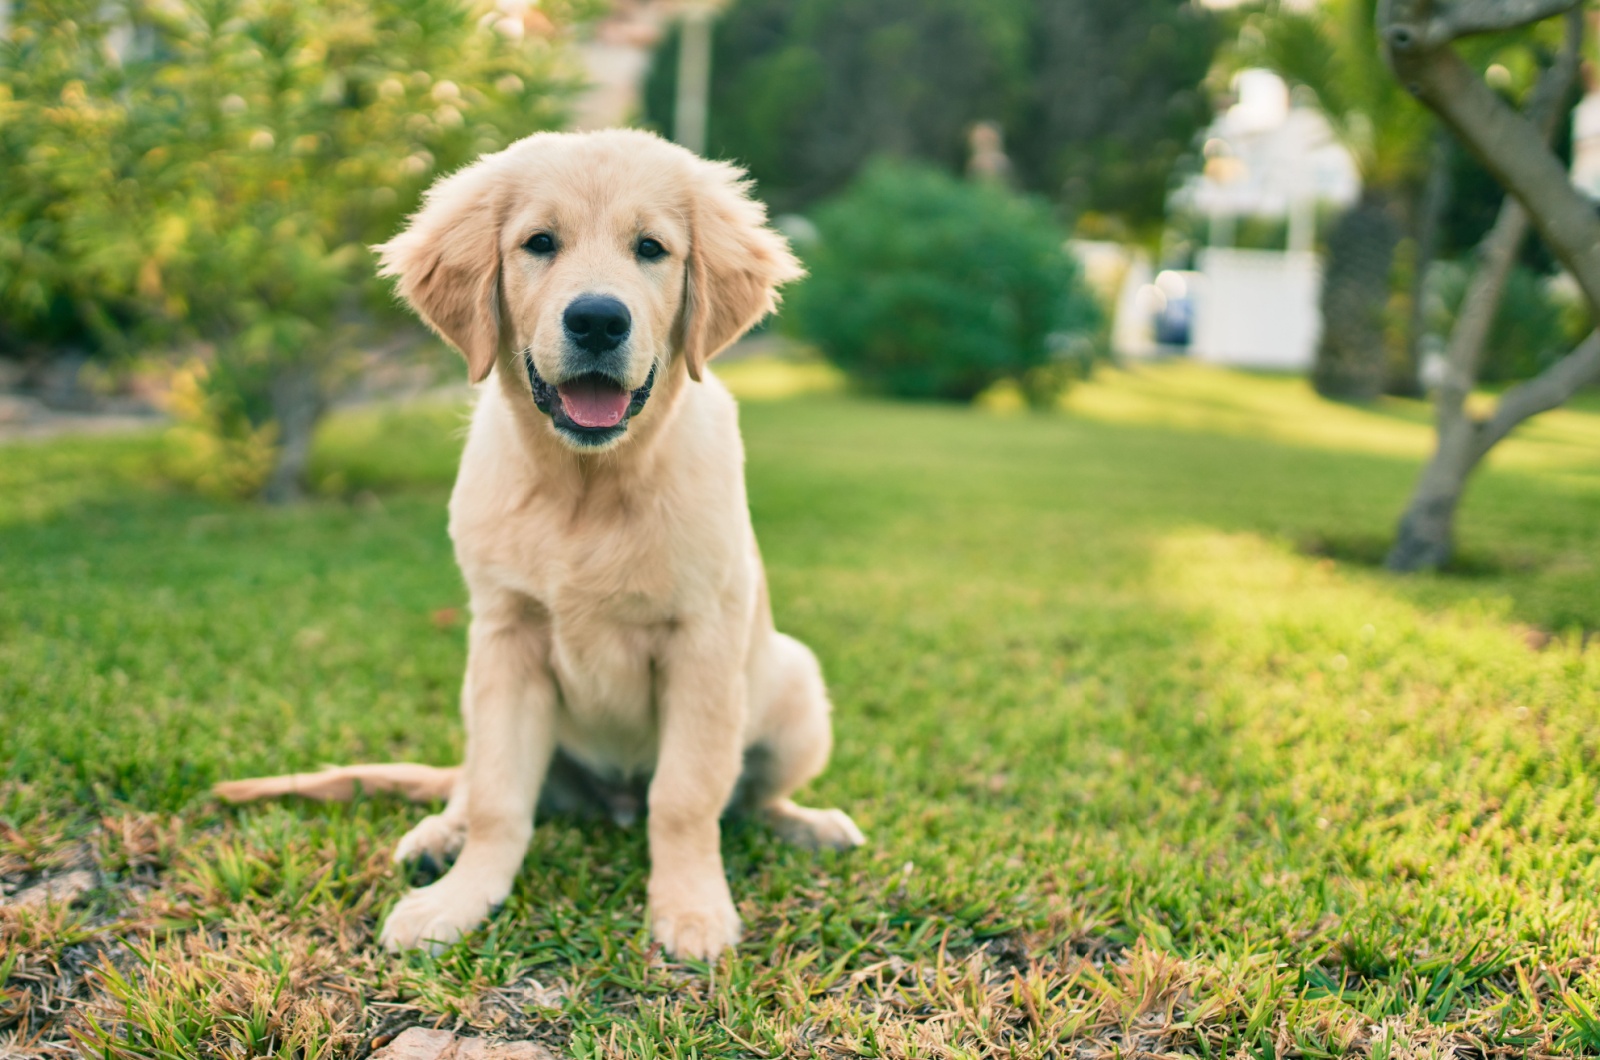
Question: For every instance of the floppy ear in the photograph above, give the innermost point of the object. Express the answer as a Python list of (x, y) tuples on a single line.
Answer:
[(736, 263), (447, 262)]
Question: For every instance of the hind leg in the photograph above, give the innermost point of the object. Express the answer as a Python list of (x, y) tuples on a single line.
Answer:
[(791, 747), (811, 828)]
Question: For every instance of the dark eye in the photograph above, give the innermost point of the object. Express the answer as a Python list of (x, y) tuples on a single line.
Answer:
[(540, 243), (649, 249)]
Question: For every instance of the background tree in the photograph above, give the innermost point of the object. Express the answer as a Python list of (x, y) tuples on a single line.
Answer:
[(1097, 99), (223, 169), (1332, 49), (803, 92), (1418, 36), (1115, 101)]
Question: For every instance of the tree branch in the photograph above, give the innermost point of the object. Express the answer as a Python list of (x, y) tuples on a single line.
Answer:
[(1498, 251), (1510, 147), (1544, 108), (1496, 255), (1424, 24), (1545, 391), (1465, 17)]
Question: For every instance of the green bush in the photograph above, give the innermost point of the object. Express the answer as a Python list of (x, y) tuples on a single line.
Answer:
[(923, 286)]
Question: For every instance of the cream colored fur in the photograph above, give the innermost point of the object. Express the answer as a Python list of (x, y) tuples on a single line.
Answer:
[(619, 608)]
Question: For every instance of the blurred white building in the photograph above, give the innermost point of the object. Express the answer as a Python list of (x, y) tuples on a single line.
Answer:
[(1586, 146), (1270, 155), (615, 52)]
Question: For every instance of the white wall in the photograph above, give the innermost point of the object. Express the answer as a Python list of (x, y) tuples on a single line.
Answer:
[(1258, 309)]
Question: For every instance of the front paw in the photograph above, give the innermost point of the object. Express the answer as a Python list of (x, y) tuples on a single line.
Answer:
[(695, 923), (432, 918), (436, 838)]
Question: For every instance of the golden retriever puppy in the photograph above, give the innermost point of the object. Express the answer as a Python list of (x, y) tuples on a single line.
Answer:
[(621, 654)]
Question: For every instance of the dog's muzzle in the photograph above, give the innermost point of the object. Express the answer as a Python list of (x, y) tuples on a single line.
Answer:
[(589, 409)]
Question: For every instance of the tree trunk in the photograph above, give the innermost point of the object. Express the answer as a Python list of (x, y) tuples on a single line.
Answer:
[(1426, 536), (1351, 358), (1426, 540), (297, 405)]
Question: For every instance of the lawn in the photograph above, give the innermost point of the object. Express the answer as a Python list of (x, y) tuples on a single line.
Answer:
[(1150, 755)]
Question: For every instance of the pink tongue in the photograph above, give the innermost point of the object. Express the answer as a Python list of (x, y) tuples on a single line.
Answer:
[(592, 402)]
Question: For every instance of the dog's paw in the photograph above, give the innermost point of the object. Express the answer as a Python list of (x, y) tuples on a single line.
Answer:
[(814, 829), (696, 929), (438, 837), (433, 918)]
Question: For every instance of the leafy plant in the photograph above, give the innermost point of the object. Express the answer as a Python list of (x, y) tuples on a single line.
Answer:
[(923, 286), (215, 447), (56, 124), (214, 168)]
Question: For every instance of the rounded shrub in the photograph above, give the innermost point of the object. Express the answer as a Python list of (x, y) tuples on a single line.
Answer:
[(924, 286)]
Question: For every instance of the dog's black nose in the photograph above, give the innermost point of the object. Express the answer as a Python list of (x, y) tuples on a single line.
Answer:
[(597, 322)]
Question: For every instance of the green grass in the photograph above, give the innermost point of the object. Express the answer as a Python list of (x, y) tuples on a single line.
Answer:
[(1149, 756)]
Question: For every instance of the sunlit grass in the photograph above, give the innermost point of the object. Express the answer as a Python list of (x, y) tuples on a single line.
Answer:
[(1190, 396), (769, 377), (1148, 759)]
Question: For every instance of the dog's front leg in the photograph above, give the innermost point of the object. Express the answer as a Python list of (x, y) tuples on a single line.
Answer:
[(508, 703), (702, 705)]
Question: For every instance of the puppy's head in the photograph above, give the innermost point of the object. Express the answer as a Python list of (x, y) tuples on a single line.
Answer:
[(590, 263)]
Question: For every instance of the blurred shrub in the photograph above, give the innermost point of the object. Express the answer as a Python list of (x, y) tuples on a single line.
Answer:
[(212, 170), (388, 447), (1098, 99), (923, 286), (215, 448), (1537, 324), (50, 62)]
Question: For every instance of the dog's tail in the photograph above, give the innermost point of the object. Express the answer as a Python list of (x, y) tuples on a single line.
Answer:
[(340, 783)]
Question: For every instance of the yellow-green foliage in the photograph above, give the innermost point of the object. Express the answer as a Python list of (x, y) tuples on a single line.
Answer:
[(213, 169), (219, 454)]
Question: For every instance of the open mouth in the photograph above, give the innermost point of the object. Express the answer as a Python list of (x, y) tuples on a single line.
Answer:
[(590, 409)]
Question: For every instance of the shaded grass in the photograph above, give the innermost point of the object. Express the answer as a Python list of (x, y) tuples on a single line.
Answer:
[(1137, 772)]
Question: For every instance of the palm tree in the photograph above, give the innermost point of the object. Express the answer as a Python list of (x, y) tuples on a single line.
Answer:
[(1332, 49)]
